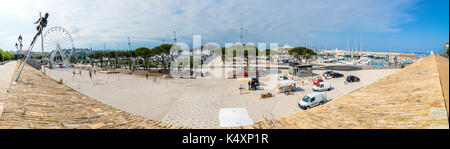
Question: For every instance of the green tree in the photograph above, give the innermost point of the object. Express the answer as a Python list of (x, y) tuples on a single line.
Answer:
[(131, 56), (145, 54), (112, 58), (1, 55), (163, 50), (446, 51), (5, 55), (98, 57), (300, 52)]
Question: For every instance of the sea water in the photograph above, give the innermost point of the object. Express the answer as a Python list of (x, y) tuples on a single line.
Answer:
[(378, 63)]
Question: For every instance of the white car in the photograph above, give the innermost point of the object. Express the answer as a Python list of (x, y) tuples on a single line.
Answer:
[(322, 86), (283, 78), (312, 99)]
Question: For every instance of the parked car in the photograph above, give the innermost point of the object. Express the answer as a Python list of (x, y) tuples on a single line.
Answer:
[(352, 78), (337, 75), (282, 78), (332, 74), (327, 73), (312, 99), (317, 81), (322, 86)]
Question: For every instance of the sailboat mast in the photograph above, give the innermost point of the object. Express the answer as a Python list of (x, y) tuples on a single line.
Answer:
[(360, 42)]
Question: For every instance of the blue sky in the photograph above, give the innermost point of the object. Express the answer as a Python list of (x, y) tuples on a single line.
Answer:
[(386, 25)]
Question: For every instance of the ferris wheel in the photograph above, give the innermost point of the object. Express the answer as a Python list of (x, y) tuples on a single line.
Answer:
[(59, 42)]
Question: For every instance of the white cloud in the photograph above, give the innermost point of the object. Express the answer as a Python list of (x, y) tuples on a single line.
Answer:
[(99, 21)]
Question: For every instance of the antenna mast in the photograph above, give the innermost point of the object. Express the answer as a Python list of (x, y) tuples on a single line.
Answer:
[(174, 37), (347, 44), (241, 34), (360, 42), (129, 44)]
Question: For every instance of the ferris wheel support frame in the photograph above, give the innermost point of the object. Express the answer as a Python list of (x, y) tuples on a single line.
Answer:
[(57, 48)]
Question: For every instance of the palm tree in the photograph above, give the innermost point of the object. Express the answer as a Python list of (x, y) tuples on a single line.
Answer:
[(120, 56), (99, 56), (92, 57), (131, 55), (111, 56)]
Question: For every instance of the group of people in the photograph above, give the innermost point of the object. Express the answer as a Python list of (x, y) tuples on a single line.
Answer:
[(91, 72), (75, 73), (313, 79), (154, 79), (94, 73)]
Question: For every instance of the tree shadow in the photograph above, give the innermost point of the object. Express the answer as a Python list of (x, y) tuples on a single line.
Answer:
[(331, 89), (299, 89)]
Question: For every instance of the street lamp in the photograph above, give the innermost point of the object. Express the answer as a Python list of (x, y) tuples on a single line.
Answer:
[(20, 43), (19, 47), (20, 38)]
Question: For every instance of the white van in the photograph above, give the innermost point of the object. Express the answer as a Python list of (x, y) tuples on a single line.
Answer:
[(322, 86), (312, 99)]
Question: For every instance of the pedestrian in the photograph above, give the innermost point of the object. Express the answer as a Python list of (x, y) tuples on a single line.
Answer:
[(146, 76)]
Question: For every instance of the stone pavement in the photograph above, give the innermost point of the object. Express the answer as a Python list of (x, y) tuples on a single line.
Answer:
[(442, 65), (6, 72), (409, 98), (37, 101)]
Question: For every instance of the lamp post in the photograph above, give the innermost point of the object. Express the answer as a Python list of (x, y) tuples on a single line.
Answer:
[(20, 43), (42, 23), (19, 48)]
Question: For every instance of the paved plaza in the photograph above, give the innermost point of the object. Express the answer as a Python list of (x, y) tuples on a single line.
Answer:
[(6, 72), (197, 102), (409, 98)]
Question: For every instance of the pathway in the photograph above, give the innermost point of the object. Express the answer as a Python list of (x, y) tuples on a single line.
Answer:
[(442, 65), (6, 72)]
